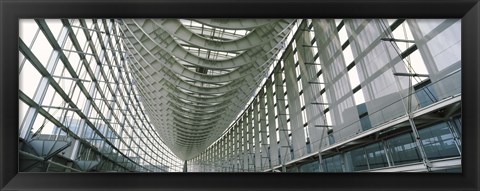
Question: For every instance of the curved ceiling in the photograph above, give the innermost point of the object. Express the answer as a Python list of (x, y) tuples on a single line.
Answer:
[(195, 76)]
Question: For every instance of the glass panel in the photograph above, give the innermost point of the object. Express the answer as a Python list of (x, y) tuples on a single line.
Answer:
[(29, 79), (376, 156), (416, 66), (353, 76), (22, 110), (310, 167), (402, 32), (347, 53), (458, 124), (27, 30), (425, 94), (333, 164), (438, 141), (365, 122), (343, 35), (42, 49), (358, 96), (55, 26), (358, 159), (403, 149)]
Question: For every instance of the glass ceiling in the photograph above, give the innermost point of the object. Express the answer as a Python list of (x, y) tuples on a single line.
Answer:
[(202, 69)]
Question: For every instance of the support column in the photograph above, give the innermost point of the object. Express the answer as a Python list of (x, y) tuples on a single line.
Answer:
[(298, 143), (263, 132), (273, 152), (185, 169), (257, 134), (285, 146)]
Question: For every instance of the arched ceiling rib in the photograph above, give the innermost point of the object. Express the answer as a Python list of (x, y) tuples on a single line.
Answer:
[(158, 39), (235, 23), (254, 39), (195, 76), (157, 76)]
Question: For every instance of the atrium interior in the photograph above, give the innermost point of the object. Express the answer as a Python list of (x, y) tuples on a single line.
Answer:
[(240, 95)]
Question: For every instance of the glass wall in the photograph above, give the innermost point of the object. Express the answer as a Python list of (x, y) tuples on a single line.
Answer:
[(438, 141), (340, 78), (360, 89), (79, 103)]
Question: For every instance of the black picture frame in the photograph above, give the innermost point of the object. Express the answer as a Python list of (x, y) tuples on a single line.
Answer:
[(11, 11)]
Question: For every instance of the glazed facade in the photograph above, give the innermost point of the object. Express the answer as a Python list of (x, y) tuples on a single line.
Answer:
[(240, 95)]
